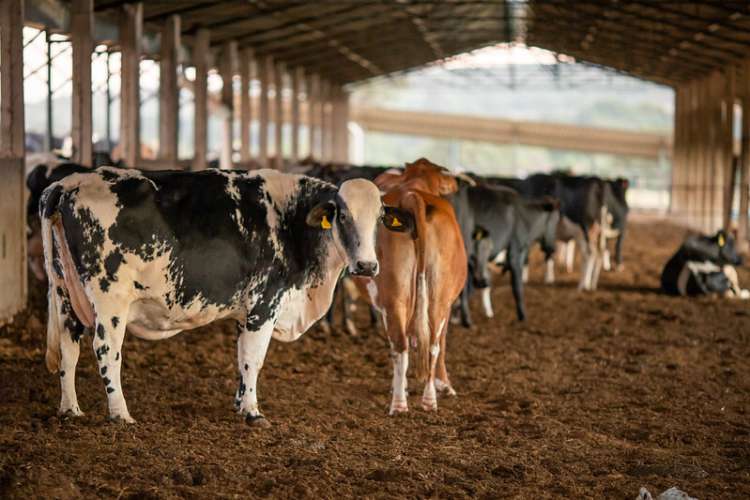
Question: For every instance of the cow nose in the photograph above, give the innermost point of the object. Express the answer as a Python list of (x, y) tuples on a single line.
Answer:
[(364, 268)]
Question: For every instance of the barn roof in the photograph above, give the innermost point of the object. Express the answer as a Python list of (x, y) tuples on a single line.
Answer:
[(352, 40)]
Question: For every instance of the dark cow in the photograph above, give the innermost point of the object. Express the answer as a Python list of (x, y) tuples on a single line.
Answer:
[(582, 213), (703, 265), (615, 200), (160, 252), (497, 223), (336, 173)]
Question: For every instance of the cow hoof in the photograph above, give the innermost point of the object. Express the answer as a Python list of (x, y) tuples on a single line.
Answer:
[(444, 388), (258, 421), (429, 404), (120, 419), (351, 329), (70, 413), (398, 407)]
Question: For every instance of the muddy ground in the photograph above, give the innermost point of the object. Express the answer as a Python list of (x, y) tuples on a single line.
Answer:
[(594, 396)]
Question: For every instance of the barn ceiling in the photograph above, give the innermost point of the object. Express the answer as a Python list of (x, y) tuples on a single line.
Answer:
[(353, 40)]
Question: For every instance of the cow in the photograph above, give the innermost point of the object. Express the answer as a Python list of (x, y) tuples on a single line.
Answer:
[(582, 212), (37, 180), (155, 253), (498, 224), (704, 265), (615, 201), (423, 269)]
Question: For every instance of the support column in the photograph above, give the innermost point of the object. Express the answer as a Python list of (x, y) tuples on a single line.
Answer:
[(201, 52), (264, 76), (169, 107), (278, 128), (227, 69), (81, 28), (297, 75), (325, 125), (246, 77), (675, 200), (313, 86), (131, 28), (728, 147), (13, 263), (742, 223)]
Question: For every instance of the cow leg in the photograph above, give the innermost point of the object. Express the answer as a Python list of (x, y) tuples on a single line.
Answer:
[(464, 299), (109, 333), (618, 250), (350, 294), (596, 257), (570, 255), (525, 273), (69, 330), (586, 263), (252, 346), (516, 257), (442, 382), (606, 261), (487, 302), (395, 328), (549, 272)]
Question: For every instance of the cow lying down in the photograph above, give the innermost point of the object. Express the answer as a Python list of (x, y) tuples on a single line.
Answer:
[(155, 253), (704, 265)]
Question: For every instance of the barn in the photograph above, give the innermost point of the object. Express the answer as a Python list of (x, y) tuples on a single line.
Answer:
[(596, 395)]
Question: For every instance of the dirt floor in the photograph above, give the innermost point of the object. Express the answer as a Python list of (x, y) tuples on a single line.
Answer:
[(596, 395)]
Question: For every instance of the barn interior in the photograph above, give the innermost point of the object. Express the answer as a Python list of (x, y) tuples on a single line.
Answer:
[(304, 57)]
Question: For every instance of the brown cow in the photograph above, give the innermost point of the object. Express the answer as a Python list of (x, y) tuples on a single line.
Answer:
[(423, 269)]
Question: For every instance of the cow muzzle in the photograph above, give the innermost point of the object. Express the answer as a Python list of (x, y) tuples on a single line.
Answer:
[(365, 268)]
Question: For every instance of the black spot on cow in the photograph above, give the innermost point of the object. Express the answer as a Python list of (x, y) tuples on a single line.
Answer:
[(84, 235), (106, 380), (59, 291), (101, 351), (110, 390), (109, 175), (115, 321), (103, 370), (62, 373), (104, 284), (246, 367), (241, 392), (138, 286), (100, 331), (117, 357), (111, 264)]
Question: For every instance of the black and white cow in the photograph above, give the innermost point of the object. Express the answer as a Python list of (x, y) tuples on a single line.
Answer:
[(37, 180), (160, 252), (497, 221), (582, 213), (704, 265)]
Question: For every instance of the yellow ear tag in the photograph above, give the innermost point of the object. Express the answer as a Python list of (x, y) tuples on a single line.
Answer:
[(721, 240), (396, 223), (324, 223)]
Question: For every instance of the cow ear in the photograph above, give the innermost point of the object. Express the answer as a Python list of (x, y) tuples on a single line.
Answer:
[(398, 220), (322, 215)]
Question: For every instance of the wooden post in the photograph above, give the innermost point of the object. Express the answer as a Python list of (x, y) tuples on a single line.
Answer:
[(313, 87), (675, 199), (278, 126), (227, 70), (13, 263), (344, 124), (728, 147), (742, 223), (131, 27), (297, 76), (169, 107), (693, 209), (246, 76), (325, 126), (81, 29), (201, 52), (264, 76)]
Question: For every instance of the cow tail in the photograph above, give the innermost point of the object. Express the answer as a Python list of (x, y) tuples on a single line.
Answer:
[(421, 321), (48, 208)]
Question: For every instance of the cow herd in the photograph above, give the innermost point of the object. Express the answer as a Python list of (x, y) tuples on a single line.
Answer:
[(154, 253)]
